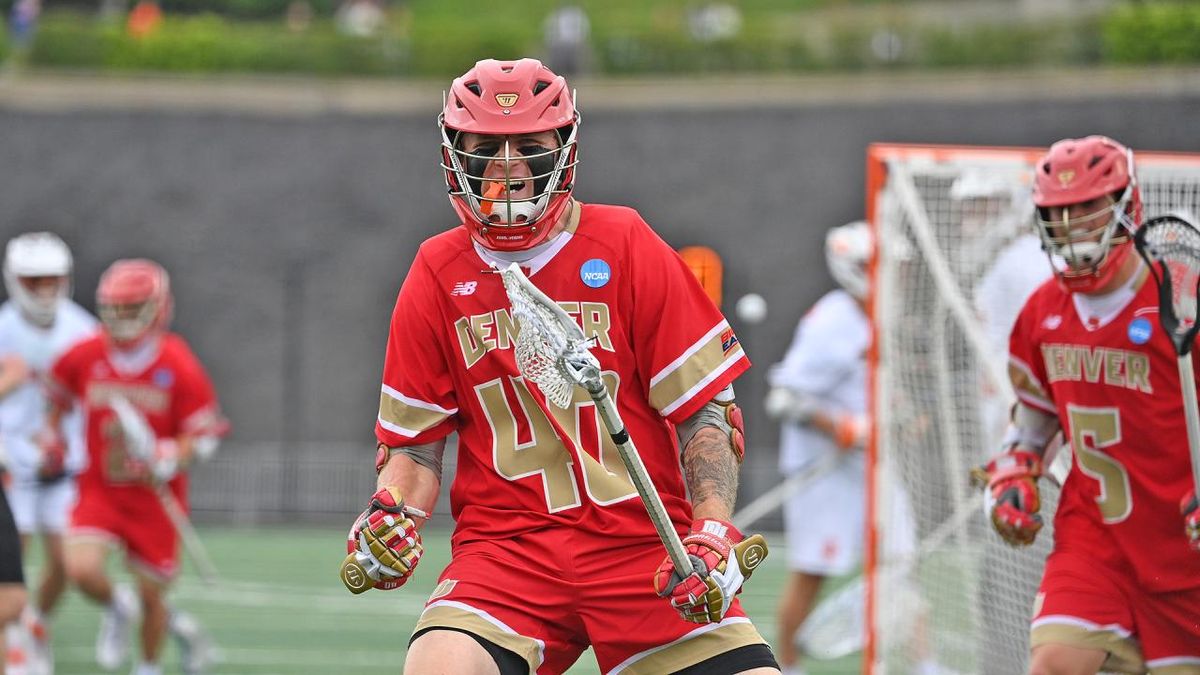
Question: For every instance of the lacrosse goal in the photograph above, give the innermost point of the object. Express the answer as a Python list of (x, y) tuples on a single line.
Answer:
[(942, 214)]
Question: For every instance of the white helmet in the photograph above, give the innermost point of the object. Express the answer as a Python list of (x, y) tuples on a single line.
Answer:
[(34, 255), (848, 250), (993, 207)]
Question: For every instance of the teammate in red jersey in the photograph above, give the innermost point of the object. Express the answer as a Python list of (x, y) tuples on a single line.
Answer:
[(172, 418), (552, 549), (1121, 589)]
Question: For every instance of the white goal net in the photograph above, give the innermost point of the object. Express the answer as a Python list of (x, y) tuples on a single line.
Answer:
[(946, 217)]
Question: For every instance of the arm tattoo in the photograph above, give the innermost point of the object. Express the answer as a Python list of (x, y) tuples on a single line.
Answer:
[(710, 471)]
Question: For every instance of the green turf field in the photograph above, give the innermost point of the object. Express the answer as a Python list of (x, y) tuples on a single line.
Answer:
[(281, 609)]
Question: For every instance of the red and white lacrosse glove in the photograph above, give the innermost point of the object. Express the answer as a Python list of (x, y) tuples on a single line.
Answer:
[(723, 560), (1011, 498), (1190, 508), (53, 447), (164, 462), (385, 541)]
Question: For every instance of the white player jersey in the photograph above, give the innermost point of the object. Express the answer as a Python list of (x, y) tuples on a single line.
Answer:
[(1019, 269), (22, 412), (826, 360)]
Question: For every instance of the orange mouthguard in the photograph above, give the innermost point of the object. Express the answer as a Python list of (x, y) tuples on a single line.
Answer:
[(491, 191)]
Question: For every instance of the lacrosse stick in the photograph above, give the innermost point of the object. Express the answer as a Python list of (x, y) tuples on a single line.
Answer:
[(1170, 244), (139, 443), (776, 496), (552, 352), (836, 627)]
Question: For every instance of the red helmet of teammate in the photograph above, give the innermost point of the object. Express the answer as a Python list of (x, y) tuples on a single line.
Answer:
[(134, 301), (1075, 171), (509, 193)]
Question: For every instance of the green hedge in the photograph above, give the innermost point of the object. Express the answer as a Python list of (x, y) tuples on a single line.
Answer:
[(1153, 33), (207, 43), (629, 37)]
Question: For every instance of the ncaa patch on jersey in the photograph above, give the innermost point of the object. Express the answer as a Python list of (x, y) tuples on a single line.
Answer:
[(595, 273), (1140, 330), (163, 378)]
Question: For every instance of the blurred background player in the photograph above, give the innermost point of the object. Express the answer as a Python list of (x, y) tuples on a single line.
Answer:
[(995, 215), (819, 392), (1121, 589), (1007, 266), (552, 549), (37, 324), (137, 363)]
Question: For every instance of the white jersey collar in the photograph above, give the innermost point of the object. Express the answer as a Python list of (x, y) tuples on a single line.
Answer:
[(532, 259), (129, 362)]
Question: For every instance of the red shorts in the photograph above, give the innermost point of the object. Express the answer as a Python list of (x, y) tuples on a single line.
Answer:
[(1086, 604), (133, 516), (546, 598)]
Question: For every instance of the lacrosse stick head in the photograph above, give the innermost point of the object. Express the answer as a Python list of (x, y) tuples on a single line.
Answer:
[(551, 350), (1170, 244)]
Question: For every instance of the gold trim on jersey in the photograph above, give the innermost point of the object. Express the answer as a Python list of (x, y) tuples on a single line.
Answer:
[(408, 417), (1024, 382), (466, 618), (699, 365), (573, 212), (699, 645), (1124, 654)]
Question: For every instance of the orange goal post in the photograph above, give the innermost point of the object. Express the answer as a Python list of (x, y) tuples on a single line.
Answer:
[(940, 585)]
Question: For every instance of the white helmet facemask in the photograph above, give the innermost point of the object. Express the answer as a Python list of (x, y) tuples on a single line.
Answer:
[(992, 208), (848, 250), (37, 255)]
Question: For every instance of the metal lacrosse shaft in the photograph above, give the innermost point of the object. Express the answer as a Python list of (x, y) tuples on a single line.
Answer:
[(1187, 385), (574, 365), (584, 370)]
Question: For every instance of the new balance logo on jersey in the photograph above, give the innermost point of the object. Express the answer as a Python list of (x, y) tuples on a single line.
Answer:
[(464, 288), (1051, 322)]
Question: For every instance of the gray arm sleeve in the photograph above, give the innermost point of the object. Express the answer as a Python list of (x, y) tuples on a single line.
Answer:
[(428, 455), (711, 414)]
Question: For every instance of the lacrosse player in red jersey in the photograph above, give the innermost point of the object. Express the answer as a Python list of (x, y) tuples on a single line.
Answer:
[(150, 410), (1121, 588), (553, 550)]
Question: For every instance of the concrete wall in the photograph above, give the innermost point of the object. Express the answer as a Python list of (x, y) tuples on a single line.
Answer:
[(287, 234)]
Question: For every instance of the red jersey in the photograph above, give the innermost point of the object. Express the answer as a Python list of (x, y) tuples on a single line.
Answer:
[(524, 464), (1114, 386), (172, 391)]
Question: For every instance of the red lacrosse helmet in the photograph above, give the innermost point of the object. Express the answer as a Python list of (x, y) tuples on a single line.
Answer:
[(508, 99), (134, 301), (1079, 170)]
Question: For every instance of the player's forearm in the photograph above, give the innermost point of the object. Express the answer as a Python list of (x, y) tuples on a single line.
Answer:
[(1030, 430), (13, 372), (418, 485), (710, 471)]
